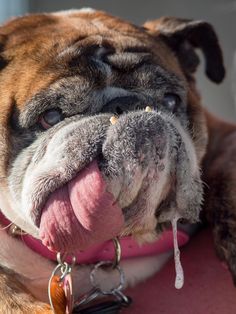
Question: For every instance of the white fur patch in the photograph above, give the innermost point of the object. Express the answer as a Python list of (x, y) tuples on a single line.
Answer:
[(12, 212)]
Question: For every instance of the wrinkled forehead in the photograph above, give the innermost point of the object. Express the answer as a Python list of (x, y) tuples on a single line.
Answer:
[(72, 25), (40, 47)]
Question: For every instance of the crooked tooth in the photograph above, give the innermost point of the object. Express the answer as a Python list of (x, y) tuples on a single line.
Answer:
[(148, 109), (113, 120)]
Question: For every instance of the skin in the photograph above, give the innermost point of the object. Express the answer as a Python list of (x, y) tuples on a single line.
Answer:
[(80, 62)]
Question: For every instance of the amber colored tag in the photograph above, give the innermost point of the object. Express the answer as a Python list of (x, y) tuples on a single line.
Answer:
[(58, 297)]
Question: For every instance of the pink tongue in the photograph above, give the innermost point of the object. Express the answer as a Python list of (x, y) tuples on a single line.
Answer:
[(80, 214)]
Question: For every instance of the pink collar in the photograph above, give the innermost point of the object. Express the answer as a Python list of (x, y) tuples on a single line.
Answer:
[(105, 251)]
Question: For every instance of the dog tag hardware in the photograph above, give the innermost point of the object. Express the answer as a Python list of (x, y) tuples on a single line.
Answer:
[(115, 300), (98, 300), (57, 295), (60, 290)]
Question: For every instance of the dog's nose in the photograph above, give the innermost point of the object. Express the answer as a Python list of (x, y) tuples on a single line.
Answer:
[(123, 104)]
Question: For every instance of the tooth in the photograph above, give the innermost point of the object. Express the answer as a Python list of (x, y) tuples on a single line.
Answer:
[(148, 109), (113, 120)]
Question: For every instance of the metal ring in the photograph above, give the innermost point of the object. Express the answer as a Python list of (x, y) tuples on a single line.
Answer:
[(65, 270), (117, 246), (61, 258), (96, 285)]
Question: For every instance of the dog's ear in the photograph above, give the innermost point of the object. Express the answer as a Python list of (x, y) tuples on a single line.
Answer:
[(184, 36)]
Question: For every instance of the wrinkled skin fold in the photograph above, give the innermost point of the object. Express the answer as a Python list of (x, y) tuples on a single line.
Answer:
[(143, 158)]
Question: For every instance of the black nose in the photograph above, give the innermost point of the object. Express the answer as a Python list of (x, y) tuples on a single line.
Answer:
[(123, 104)]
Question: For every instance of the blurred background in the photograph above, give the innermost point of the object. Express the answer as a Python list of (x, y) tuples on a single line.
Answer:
[(220, 13)]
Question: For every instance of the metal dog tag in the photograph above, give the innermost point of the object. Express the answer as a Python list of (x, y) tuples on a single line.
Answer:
[(57, 295), (60, 291)]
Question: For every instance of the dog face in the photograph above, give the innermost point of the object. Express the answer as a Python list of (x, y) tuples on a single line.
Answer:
[(71, 177)]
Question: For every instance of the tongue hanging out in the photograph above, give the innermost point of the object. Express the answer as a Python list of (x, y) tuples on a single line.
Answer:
[(80, 214)]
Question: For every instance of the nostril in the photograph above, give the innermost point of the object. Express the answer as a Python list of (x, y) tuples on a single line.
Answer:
[(122, 104), (118, 110)]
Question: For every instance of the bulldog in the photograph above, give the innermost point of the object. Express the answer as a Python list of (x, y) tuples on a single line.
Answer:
[(72, 179)]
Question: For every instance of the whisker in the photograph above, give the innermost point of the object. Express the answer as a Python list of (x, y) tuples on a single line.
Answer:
[(6, 227)]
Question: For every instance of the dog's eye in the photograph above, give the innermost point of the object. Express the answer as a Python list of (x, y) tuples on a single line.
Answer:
[(50, 117), (171, 101)]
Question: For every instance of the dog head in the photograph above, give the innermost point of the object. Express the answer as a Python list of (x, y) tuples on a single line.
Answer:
[(68, 175)]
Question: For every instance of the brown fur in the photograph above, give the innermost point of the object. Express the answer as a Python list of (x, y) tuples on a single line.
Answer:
[(16, 299)]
